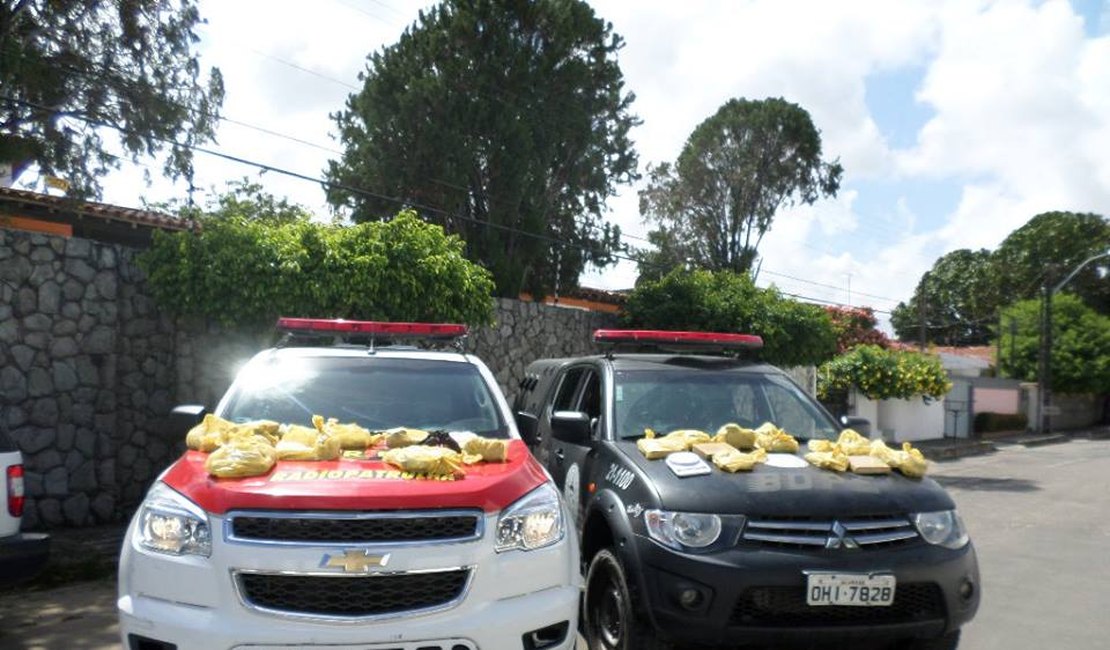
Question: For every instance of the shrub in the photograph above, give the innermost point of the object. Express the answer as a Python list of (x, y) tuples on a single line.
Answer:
[(884, 374), (988, 422)]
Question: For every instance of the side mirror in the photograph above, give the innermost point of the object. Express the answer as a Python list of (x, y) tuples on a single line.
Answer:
[(570, 426), (861, 425), (528, 424), (182, 418)]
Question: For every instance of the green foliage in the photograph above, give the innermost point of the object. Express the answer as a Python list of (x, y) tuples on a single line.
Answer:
[(855, 326), (127, 64), (1080, 346), (1047, 248), (492, 117), (884, 374), (794, 333), (249, 271), (961, 299), (737, 169), (991, 422)]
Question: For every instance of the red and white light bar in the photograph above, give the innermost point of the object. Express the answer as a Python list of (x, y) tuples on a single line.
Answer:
[(668, 337), (375, 328)]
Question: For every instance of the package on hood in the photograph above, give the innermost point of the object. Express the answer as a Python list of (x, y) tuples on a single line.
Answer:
[(489, 449), (241, 457), (834, 459), (909, 460), (654, 448), (350, 436), (302, 443), (214, 431), (853, 444), (402, 437), (420, 459), (736, 435), (775, 440), (737, 461)]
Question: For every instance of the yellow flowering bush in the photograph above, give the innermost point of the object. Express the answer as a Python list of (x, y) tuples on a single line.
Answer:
[(884, 374)]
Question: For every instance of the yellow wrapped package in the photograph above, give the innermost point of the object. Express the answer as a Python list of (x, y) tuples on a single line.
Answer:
[(402, 437), (245, 456), (775, 440), (853, 444), (488, 449), (302, 443), (350, 436), (689, 437), (736, 435), (421, 459), (909, 460), (834, 459), (820, 444), (737, 461), (209, 434), (654, 448)]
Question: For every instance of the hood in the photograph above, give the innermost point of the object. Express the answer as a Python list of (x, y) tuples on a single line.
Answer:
[(806, 491), (355, 484)]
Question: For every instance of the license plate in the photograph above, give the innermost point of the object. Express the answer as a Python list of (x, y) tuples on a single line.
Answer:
[(852, 589)]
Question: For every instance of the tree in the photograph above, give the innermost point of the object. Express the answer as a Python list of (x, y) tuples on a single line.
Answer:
[(855, 326), (506, 121), (736, 170), (245, 271), (1047, 248), (884, 374), (67, 68), (1080, 345), (961, 299), (794, 333), (241, 199)]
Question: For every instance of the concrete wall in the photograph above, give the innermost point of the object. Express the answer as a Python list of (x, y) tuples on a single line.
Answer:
[(90, 368), (911, 419)]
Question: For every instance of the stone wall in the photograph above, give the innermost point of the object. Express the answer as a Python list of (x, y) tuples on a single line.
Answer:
[(90, 368)]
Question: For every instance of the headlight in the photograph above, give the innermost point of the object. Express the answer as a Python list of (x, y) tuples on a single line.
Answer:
[(169, 523), (942, 528), (682, 529), (534, 521)]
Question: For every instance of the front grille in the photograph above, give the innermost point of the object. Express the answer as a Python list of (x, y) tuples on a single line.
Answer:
[(859, 532), (786, 606), (355, 596), (346, 528)]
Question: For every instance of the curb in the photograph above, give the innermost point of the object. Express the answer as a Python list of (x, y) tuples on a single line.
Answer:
[(1037, 441), (958, 451)]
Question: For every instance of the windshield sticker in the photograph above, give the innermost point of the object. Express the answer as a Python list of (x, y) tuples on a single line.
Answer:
[(283, 476), (619, 476), (572, 490), (620, 394)]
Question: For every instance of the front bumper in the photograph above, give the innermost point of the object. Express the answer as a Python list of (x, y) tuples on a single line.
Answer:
[(194, 603), (750, 596), (22, 556)]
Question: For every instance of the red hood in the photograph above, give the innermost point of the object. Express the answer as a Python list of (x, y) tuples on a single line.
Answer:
[(347, 484)]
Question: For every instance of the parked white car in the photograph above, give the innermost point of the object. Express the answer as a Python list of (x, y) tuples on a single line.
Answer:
[(22, 555), (350, 553)]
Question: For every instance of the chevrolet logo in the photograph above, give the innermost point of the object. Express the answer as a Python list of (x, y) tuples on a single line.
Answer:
[(839, 538), (354, 561)]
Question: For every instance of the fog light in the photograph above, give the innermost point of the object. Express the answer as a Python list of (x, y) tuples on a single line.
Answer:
[(966, 590), (689, 598)]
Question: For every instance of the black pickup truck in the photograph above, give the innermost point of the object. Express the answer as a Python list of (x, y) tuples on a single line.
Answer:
[(785, 554)]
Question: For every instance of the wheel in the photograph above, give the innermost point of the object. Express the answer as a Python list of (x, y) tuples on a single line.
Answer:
[(949, 641), (610, 619)]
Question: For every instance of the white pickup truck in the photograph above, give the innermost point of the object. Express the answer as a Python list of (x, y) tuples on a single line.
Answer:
[(21, 554)]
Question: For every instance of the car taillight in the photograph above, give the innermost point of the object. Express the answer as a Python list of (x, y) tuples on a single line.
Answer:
[(15, 490)]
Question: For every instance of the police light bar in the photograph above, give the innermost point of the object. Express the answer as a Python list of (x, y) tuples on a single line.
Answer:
[(373, 328), (667, 337)]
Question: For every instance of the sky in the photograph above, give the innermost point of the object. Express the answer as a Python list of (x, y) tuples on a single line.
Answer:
[(956, 121)]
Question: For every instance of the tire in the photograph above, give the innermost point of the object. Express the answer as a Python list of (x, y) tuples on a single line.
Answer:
[(610, 618), (949, 641)]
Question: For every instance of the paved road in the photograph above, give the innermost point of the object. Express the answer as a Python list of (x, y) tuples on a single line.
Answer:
[(1040, 518)]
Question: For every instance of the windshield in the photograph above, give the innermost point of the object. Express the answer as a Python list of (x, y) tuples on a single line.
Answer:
[(670, 399), (374, 392)]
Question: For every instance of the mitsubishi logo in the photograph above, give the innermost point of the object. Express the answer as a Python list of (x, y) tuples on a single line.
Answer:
[(838, 537), (354, 561)]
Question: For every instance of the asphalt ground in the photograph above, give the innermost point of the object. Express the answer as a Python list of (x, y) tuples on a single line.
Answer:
[(1039, 517)]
